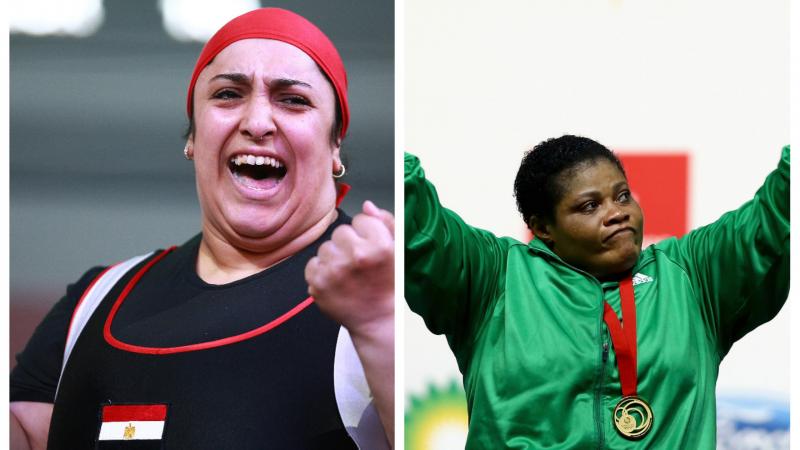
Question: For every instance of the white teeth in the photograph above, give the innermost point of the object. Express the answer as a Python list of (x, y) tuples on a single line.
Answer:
[(256, 161)]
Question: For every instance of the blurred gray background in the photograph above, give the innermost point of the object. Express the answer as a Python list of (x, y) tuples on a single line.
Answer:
[(97, 169)]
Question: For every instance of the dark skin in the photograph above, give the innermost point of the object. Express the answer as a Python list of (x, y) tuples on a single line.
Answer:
[(597, 224)]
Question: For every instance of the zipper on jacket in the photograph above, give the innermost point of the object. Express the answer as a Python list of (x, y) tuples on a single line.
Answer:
[(598, 400)]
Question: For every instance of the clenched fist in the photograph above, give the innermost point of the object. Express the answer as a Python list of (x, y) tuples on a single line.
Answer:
[(352, 276), (352, 280)]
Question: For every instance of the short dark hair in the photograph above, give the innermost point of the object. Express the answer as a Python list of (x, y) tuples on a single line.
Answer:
[(538, 186)]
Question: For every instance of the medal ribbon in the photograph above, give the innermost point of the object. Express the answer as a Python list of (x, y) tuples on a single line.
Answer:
[(624, 338)]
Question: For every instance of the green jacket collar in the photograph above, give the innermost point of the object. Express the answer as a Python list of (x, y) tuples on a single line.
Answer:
[(536, 246)]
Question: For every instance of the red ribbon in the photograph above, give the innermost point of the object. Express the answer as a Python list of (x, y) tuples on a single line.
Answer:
[(624, 339)]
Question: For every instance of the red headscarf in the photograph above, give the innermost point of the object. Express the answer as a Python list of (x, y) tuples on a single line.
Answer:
[(280, 25)]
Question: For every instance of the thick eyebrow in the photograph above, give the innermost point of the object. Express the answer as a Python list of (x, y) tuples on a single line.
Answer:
[(238, 78), (620, 185), (287, 82), (594, 192), (278, 83)]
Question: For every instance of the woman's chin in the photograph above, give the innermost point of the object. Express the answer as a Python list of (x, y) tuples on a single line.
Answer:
[(249, 229), (627, 259), (619, 264)]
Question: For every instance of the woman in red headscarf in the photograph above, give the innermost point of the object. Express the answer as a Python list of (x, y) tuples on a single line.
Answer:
[(216, 343)]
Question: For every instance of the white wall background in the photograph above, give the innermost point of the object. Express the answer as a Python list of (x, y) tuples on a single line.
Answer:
[(484, 83)]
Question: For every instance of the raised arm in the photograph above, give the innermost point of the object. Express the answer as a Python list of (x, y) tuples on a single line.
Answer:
[(451, 269), (740, 264), (352, 281)]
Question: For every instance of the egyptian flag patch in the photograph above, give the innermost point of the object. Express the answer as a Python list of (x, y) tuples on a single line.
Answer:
[(123, 424)]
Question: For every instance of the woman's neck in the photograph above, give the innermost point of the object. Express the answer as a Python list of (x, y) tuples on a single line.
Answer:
[(615, 277), (221, 260)]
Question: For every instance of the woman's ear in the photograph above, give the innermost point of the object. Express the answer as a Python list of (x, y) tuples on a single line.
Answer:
[(337, 147), (188, 150), (337, 158), (541, 229)]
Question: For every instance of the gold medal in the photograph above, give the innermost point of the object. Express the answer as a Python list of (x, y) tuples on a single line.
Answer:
[(633, 417)]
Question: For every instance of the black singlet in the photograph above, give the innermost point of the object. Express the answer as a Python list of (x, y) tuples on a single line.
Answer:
[(274, 390)]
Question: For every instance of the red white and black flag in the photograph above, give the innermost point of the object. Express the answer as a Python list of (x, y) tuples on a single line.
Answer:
[(122, 423)]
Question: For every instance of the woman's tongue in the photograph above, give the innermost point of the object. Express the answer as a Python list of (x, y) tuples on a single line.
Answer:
[(258, 177)]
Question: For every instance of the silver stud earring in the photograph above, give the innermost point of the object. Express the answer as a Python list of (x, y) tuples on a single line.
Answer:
[(186, 152)]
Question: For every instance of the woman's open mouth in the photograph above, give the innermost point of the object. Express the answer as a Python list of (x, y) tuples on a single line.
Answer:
[(257, 172)]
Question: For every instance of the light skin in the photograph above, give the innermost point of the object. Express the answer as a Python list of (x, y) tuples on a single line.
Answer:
[(264, 98), (352, 280), (267, 98), (597, 225), (29, 425)]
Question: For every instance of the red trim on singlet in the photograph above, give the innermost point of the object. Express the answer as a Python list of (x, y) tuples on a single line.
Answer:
[(80, 301), (191, 347), (341, 191)]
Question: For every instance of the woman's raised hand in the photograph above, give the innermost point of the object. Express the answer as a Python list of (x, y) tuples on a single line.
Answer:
[(352, 280), (352, 276)]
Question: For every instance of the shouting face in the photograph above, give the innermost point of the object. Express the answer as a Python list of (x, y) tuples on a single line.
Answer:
[(262, 145)]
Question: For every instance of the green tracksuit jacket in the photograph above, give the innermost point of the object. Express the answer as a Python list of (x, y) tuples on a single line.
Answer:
[(527, 329)]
